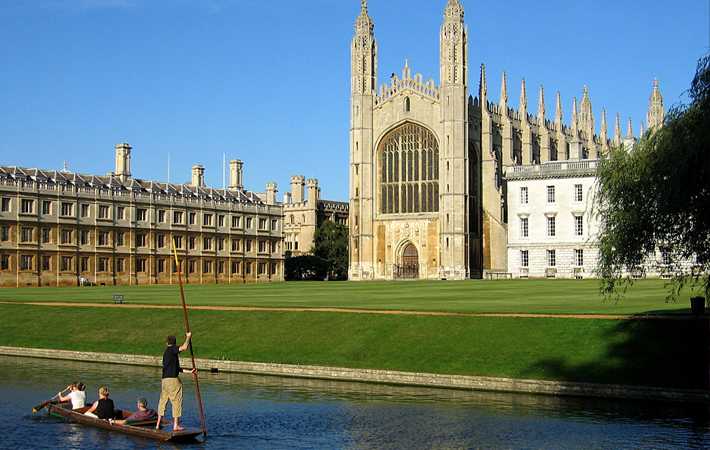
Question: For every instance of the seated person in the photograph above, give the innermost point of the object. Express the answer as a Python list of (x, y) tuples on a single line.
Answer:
[(77, 396), (143, 414), (102, 408)]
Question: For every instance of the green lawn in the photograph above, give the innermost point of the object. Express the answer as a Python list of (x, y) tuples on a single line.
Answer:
[(643, 352), (524, 296)]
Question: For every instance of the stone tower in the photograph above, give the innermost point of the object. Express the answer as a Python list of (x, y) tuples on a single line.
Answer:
[(363, 86), (454, 160)]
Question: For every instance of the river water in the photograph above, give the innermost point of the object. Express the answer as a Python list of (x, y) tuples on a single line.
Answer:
[(254, 412)]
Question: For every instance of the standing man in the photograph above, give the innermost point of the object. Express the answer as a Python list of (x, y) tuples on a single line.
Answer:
[(171, 386)]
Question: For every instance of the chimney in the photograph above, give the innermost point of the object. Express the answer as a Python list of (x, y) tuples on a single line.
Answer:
[(271, 190), (198, 176), (123, 161), (236, 175), (297, 183), (313, 192)]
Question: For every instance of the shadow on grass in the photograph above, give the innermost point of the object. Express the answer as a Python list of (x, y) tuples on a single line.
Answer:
[(664, 353)]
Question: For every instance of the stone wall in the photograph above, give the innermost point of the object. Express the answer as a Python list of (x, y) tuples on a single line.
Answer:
[(387, 376)]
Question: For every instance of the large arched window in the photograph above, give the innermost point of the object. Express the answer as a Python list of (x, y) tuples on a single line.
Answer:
[(409, 171)]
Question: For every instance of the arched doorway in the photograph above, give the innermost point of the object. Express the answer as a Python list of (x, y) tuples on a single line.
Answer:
[(409, 266)]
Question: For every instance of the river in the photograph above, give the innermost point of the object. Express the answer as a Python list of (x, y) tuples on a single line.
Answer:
[(255, 412)]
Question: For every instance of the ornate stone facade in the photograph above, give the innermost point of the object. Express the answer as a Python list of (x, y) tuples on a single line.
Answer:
[(429, 163), (59, 228)]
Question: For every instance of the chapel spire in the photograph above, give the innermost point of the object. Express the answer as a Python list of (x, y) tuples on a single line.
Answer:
[(656, 112), (483, 86), (586, 119), (504, 95), (603, 132), (575, 119), (629, 130), (541, 107), (453, 11), (523, 108), (453, 53), (364, 54), (363, 24), (617, 130), (558, 108)]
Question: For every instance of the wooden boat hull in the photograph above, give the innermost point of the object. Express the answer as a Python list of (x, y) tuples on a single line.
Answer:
[(145, 430)]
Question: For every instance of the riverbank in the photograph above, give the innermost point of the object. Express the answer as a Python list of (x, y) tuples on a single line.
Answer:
[(386, 377), (660, 353)]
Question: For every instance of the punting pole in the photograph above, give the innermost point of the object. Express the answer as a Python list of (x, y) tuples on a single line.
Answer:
[(187, 330)]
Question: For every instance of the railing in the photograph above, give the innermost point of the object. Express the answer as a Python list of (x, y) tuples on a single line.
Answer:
[(586, 166)]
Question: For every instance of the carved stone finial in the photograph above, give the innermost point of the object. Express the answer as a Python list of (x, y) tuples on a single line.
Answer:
[(523, 98), (575, 122), (504, 91), (541, 106), (617, 129), (453, 11), (656, 111), (364, 24), (586, 119), (630, 130)]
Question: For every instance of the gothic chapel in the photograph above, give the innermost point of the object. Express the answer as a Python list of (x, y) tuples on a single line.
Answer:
[(428, 162), (413, 193)]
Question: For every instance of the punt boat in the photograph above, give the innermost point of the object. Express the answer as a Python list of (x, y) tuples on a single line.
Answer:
[(144, 429)]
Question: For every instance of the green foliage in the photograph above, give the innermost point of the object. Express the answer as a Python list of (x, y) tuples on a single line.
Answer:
[(305, 268), (657, 195), (331, 244)]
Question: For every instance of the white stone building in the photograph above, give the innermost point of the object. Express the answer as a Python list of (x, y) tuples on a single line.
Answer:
[(552, 226)]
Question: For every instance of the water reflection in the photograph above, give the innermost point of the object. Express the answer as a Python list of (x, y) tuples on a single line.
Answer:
[(245, 411)]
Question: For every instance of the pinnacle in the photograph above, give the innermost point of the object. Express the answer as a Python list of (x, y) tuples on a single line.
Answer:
[(454, 10)]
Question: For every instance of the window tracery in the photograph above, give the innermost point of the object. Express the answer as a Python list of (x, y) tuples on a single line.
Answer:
[(409, 171)]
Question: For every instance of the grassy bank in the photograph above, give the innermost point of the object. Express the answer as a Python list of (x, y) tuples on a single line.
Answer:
[(523, 296), (629, 352)]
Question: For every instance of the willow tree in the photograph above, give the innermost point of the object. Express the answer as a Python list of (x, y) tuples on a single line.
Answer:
[(656, 195)]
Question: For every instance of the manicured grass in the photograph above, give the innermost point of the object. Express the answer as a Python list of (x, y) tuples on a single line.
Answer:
[(523, 296), (643, 352)]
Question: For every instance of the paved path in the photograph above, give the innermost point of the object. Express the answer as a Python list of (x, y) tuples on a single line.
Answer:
[(365, 311)]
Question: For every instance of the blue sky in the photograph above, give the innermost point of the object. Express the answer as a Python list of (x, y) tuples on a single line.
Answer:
[(268, 81)]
